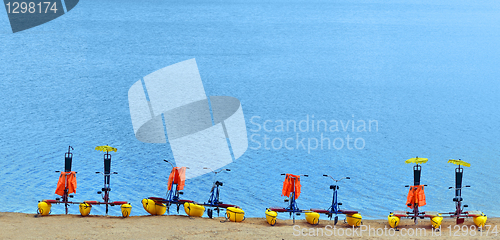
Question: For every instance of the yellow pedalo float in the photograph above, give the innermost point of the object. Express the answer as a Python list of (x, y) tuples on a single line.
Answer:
[(85, 209), (393, 220), (235, 214), (480, 221), (44, 208), (126, 209), (354, 220), (154, 208), (271, 217), (436, 221), (312, 218), (193, 209)]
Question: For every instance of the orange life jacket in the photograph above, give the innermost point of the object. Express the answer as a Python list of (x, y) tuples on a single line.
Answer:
[(177, 176), (416, 195), (70, 181), (288, 185)]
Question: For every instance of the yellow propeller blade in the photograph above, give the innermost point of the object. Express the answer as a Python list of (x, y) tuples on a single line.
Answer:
[(106, 148), (459, 162), (417, 160)]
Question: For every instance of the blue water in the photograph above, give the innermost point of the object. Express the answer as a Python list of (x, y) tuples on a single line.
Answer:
[(426, 71)]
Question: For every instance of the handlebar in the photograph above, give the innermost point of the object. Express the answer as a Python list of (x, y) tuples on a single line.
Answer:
[(305, 175), (324, 175), (459, 188), (425, 185), (226, 169), (172, 164), (169, 162), (104, 174)]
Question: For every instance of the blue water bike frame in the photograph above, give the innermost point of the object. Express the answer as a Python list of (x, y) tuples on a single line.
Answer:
[(292, 208), (334, 208), (214, 202), (172, 196)]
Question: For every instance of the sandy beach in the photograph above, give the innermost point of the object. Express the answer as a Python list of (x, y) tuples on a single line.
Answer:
[(29, 226)]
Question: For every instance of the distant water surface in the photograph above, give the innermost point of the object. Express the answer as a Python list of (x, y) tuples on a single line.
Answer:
[(426, 71)]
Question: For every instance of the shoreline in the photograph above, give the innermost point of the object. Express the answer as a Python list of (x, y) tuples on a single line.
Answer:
[(22, 225)]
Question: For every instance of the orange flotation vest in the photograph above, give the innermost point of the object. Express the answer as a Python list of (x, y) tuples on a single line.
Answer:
[(177, 176), (70, 180), (416, 195), (288, 185)]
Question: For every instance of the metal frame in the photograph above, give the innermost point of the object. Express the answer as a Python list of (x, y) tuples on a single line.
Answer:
[(459, 213), (415, 214), (214, 202), (107, 185), (68, 158), (173, 195), (334, 207), (292, 208)]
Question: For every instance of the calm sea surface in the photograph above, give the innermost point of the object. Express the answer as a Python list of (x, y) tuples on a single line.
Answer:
[(425, 73)]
